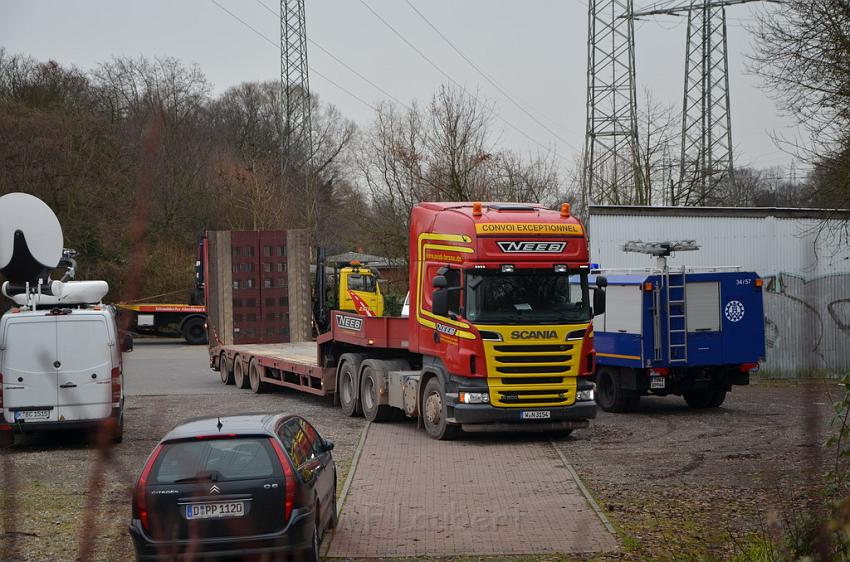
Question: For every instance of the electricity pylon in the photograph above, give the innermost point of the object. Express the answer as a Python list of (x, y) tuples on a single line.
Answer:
[(611, 170), (296, 137)]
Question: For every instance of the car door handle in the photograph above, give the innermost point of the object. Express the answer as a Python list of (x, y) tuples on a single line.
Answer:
[(68, 385)]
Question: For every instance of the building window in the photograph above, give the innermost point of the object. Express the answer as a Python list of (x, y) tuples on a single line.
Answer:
[(267, 251)]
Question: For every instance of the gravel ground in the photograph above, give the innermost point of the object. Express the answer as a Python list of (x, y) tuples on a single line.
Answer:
[(46, 479), (676, 483)]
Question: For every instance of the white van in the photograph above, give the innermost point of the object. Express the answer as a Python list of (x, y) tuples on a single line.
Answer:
[(61, 368)]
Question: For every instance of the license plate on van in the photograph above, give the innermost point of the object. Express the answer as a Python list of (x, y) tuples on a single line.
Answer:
[(32, 415), (215, 510), (536, 415)]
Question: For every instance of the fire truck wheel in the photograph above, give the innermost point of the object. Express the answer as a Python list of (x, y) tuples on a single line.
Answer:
[(258, 386), (349, 365), (435, 412), (224, 371), (609, 395), (239, 373), (372, 409)]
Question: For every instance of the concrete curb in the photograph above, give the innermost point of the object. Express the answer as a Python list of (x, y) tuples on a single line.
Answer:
[(340, 502), (584, 491)]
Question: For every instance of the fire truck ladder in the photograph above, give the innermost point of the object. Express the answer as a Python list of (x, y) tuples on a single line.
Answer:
[(677, 317), (675, 292)]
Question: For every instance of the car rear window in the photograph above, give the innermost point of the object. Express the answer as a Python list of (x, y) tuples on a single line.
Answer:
[(215, 459)]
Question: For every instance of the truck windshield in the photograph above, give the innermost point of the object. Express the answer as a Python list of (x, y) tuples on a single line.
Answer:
[(529, 296)]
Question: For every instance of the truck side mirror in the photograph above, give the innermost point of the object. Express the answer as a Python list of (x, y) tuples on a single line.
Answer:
[(598, 301), (439, 282), (601, 281), (440, 300)]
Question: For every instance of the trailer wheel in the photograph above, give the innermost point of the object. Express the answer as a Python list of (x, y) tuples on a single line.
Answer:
[(435, 412), (349, 366), (225, 372), (369, 399), (255, 370), (195, 331), (610, 396), (702, 399), (239, 373)]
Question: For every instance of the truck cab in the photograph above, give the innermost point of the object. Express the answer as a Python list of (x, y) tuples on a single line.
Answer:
[(496, 318), (359, 290)]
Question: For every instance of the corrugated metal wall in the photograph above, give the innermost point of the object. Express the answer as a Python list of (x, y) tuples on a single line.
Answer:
[(807, 289)]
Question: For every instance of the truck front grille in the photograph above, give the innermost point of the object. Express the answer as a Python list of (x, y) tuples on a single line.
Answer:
[(532, 374)]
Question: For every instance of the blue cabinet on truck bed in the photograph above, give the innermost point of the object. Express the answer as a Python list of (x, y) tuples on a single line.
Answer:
[(684, 332)]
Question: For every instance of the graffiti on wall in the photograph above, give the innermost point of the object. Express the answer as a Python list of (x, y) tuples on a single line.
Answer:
[(807, 324)]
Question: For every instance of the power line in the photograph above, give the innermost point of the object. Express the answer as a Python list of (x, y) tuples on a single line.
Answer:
[(277, 47), (487, 77), (453, 81), (340, 61)]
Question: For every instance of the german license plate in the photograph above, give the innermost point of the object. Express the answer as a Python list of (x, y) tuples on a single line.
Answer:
[(536, 415), (32, 415), (657, 382), (219, 510)]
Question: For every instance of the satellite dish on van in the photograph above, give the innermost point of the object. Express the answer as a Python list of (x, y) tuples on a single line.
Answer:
[(30, 238)]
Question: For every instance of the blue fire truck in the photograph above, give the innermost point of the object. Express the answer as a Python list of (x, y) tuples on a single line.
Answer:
[(693, 332)]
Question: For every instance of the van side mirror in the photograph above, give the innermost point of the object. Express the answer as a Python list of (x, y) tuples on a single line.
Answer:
[(598, 301), (127, 343), (440, 300)]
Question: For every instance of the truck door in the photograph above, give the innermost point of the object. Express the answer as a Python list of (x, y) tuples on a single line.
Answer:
[(29, 376), (702, 305), (84, 367)]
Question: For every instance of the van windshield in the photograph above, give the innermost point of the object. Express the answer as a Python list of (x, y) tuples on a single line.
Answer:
[(528, 296)]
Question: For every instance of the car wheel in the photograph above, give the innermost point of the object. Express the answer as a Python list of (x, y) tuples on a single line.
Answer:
[(435, 412), (372, 410), (609, 395), (258, 386), (348, 385), (313, 552), (225, 372), (239, 377)]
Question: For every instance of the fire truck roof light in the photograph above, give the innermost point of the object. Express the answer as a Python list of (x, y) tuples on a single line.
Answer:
[(476, 209)]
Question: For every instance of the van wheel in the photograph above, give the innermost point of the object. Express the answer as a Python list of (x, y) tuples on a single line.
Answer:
[(239, 377), (347, 387), (118, 436), (258, 386), (7, 439), (435, 412), (195, 331), (224, 371)]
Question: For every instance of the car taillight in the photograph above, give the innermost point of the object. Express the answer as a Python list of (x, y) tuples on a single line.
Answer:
[(289, 483), (140, 499), (116, 387)]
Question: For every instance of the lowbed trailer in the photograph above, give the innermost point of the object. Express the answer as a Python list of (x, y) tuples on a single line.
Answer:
[(499, 334)]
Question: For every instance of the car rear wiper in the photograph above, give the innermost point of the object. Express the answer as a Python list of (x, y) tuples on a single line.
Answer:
[(200, 477)]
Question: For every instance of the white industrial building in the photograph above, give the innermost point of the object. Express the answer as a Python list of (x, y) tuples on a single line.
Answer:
[(803, 255)]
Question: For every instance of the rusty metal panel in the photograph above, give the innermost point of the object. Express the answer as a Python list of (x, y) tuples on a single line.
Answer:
[(300, 296)]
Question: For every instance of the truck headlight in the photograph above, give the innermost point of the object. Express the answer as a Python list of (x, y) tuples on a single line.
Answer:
[(474, 397), (584, 395)]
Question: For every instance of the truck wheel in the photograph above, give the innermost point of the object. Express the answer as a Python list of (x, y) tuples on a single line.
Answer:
[(435, 412), (610, 396), (258, 386), (194, 331), (225, 372), (369, 397), (239, 373), (718, 399), (349, 365)]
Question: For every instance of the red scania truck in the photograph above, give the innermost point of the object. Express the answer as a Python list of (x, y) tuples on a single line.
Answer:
[(499, 334)]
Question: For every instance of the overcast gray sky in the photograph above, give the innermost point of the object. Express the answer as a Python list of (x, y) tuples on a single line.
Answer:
[(536, 49)]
